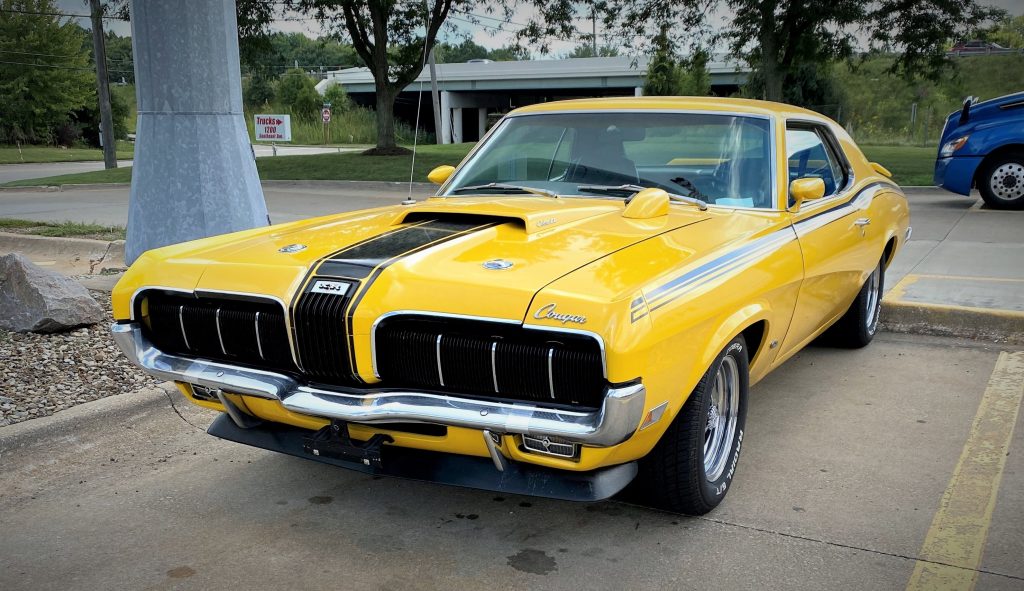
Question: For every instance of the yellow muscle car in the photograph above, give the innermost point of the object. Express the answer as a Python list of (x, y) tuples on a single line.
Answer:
[(582, 306)]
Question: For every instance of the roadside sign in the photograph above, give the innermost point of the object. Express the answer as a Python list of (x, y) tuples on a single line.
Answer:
[(273, 128), (326, 114)]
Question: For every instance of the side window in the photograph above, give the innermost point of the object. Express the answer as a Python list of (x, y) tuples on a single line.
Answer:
[(809, 156)]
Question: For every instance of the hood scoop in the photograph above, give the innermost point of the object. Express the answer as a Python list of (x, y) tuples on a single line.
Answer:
[(529, 214)]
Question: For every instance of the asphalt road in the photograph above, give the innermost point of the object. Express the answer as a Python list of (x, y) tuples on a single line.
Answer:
[(846, 458), (18, 172)]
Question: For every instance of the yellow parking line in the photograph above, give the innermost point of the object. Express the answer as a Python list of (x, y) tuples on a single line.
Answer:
[(953, 547)]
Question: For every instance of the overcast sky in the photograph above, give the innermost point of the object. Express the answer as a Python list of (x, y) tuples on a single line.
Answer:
[(489, 32)]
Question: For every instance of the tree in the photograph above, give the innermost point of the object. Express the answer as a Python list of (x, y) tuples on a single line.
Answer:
[(291, 86), (696, 80), (1009, 32), (257, 90), (46, 74), (448, 53), (664, 77), (307, 102), (337, 97), (392, 39), (509, 53), (587, 50), (119, 56)]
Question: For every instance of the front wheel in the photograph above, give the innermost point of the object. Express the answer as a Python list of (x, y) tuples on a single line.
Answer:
[(1001, 181), (692, 466)]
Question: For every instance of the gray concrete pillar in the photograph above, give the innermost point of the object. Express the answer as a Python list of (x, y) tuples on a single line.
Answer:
[(445, 136), (457, 125), (638, 91), (194, 174), (481, 114)]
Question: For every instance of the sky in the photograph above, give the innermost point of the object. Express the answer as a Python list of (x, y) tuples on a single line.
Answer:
[(485, 33)]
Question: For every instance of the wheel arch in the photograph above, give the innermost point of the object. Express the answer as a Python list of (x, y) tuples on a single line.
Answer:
[(889, 252), (993, 154), (752, 322)]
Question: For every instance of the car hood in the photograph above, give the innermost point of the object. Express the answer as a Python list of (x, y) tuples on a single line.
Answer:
[(427, 257)]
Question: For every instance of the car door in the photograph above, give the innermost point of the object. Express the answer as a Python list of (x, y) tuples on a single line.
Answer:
[(832, 231)]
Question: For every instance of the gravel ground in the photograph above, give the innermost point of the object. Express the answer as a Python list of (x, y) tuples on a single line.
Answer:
[(42, 374)]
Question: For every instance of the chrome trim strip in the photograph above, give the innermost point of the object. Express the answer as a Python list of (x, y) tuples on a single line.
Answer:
[(551, 375), (437, 349), (494, 366), (220, 337), (259, 342), (181, 323), (616, 421)]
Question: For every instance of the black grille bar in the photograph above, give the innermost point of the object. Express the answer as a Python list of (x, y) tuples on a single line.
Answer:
[(321, 339), (490, 360)]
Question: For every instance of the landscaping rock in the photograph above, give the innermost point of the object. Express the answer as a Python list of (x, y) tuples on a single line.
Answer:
[(33, 299)]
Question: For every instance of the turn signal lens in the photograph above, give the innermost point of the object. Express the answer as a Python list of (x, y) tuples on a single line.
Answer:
[(952, 146)]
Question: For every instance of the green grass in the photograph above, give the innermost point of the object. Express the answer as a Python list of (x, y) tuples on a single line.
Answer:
[(36, 154), (351, 166), (910, 165), (62, 229)]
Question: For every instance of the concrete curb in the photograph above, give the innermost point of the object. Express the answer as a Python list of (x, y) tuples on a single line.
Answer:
[(64, 427), (1000, 326), (72, 256)]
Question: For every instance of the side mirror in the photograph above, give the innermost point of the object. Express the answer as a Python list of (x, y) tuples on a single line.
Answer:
[(806, 189), (880, 169), (440, 174)]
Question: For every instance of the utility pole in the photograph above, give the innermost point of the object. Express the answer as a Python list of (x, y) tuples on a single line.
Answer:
[(435, 98), (593, 27), (99, 52)]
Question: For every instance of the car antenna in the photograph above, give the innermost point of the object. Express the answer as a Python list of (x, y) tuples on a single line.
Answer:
[(419, 101)]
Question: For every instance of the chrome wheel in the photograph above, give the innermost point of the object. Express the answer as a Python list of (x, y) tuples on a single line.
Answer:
[(874, 285), (1007, 181), (722, 414)]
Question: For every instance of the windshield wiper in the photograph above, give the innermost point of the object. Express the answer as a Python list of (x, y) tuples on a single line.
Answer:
[(634, 189), (507, 187)]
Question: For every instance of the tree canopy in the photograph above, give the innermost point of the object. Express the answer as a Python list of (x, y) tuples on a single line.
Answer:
[(45, 72)]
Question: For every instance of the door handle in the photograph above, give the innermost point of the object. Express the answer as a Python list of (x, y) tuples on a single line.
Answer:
[(862, 222)]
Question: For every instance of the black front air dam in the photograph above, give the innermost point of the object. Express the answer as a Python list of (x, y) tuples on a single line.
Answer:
[(456, 470)]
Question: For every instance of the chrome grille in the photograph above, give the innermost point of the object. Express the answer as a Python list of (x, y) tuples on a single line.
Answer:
[(321, 339)]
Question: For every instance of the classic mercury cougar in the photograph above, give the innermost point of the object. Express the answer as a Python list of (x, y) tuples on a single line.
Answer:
[(582, 307)]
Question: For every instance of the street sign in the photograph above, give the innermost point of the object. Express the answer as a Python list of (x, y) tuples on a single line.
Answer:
[(273, 128), (326, 114)]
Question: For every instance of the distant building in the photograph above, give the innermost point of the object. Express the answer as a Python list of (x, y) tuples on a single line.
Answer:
[(487, 87)]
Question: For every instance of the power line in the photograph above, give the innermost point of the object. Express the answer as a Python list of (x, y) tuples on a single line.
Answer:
[(60, 67), (47, 13)]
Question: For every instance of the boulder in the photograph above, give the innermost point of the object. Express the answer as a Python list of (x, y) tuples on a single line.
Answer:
[(33, 299)]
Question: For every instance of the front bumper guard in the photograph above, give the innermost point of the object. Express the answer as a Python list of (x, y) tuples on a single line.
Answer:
[(616, 421)]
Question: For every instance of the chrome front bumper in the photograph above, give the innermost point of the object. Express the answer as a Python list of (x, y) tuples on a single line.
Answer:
[(615, 422)]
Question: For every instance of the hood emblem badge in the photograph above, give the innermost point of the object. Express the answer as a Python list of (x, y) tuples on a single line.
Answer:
[(498, 264), (548, 312), (292, 248)]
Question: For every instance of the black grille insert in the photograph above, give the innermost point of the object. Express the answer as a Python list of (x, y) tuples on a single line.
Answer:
[(249, 331), (321, 339), (489, 359)]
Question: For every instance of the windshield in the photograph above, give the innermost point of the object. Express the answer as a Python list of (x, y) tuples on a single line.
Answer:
[(722, 159)]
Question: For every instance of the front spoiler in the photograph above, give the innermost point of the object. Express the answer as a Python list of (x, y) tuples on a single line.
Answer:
[(451, 469), (616, 421)]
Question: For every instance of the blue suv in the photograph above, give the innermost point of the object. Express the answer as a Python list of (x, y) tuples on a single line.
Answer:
[(982, 146)]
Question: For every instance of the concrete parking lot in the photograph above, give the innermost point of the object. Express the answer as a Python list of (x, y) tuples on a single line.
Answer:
[(850, 460)]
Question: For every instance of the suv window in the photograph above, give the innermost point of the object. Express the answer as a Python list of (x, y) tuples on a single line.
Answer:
[(810, 156)]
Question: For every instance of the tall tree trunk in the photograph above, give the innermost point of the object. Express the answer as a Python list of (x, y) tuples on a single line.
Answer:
[(770, 53), (385, 117)]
